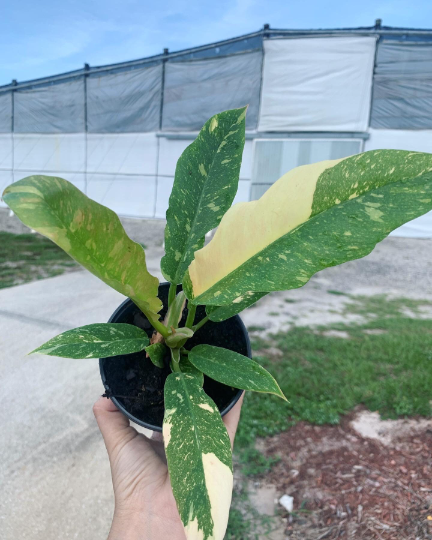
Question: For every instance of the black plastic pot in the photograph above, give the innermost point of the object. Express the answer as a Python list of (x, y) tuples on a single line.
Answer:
[(136, 386)]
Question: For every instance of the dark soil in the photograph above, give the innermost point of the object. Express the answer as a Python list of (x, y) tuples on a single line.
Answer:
[(138, 385), (345, 486)]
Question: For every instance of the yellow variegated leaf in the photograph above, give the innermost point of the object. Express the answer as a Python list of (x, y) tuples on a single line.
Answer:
[(315, 216), (199, 457)]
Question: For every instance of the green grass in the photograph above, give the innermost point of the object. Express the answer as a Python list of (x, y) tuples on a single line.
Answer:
[(326, 377), (28, 257)]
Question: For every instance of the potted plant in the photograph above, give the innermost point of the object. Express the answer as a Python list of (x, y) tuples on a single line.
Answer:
[(166, 339)]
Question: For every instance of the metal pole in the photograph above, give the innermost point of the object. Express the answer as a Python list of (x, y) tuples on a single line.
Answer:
[(86, 70), (14, 83)]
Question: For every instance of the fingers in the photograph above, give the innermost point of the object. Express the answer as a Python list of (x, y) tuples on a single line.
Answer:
[(231, 419), (113, 425)]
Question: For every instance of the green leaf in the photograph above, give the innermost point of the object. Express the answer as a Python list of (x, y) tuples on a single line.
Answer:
[(96, 341), (89, 232), (314, 217), (157, 353), (199, 457), (187, 367), (233, 369), (177, 338), (221, 313), (206, 181), (175, 310)]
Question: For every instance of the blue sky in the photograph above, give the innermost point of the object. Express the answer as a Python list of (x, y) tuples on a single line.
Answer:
[(48, 37)]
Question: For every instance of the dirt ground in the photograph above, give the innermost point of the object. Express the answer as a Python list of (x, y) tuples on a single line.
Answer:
[(348, 486)]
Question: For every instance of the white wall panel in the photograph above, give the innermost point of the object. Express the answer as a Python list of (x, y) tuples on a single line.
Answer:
[(397, 139), (47, 153), (6, 151), (126, 195), (243, 192), (169, 152), (126, 153), (317, 84), (164, 187), (6, 178)]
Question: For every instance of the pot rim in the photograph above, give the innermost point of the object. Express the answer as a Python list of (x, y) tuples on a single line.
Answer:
[(136, 420)]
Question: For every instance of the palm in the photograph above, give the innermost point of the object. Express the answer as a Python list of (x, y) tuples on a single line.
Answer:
[(139, 471)]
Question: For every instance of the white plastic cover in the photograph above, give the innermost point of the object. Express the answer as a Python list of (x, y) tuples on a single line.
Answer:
[(317, 84), (127, 101), (6, 151), (48, 153), (57, 108), (132, 196), (122, 153), (197, 89), (417, 141), (5, 112), (6, 178)]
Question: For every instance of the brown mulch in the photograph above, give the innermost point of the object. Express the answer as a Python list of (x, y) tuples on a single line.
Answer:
[(345, 486)]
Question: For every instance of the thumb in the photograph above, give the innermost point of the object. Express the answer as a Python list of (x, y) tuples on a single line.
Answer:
[(113, 425)]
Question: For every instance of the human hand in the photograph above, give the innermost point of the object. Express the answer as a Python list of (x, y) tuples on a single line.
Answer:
[(145, 508)]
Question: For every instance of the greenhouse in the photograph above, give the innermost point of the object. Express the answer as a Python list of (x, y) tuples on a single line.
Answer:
[(116, 131)]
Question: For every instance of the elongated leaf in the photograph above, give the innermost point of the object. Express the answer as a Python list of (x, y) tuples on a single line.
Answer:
[(175, 311), (189, 368), (157, 353), (199, 458), (313, 217), (233, 369), (89, 232), (96, 341), (221, 313), (206, 181), (179, 336)]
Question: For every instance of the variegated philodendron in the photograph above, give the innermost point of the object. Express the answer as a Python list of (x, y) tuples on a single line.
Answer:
[(315, 216)]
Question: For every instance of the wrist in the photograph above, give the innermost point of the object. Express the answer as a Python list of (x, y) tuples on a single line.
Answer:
[(144, 526)]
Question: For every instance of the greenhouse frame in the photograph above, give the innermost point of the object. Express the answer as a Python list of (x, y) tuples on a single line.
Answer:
[(116, 131)]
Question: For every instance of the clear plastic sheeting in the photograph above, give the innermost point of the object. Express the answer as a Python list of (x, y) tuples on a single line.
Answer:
[(5, 112), (127, 101), (402, 95), (197, 89), (417, 141), (49, 153), (273, 158), (317, 84), (55, 108)]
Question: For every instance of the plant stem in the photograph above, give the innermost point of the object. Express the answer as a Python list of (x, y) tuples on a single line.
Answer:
[(157, 325), (175, 366), (201, 323), (191, 315), (171, 293)]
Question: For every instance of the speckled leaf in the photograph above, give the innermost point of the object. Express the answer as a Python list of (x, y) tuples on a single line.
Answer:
[(96, 341), (199, 458), (157, 353), (187, 367), (89, 232), (206, 181), (233, 369), (314, 217), (221, 313)]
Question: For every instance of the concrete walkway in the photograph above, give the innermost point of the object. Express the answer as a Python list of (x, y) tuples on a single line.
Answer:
[(54, 472)]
